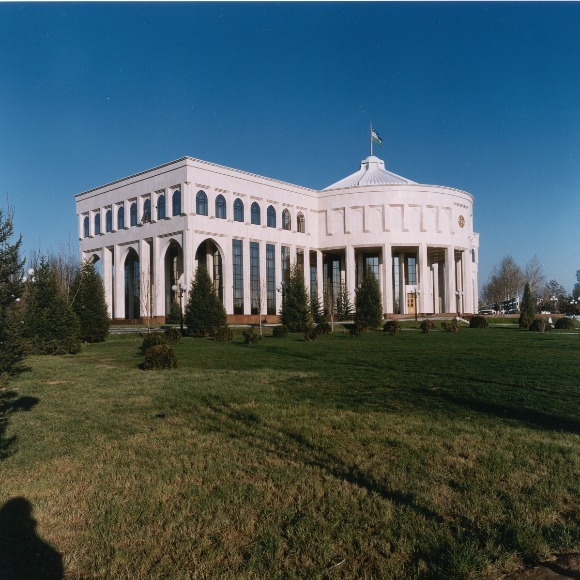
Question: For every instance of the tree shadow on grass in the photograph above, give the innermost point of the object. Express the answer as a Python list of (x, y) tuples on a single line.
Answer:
[(23, 554), (293, 447), (10, 402)]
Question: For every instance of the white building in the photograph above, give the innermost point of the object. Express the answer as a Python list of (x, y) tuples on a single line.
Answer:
[(151, 230)]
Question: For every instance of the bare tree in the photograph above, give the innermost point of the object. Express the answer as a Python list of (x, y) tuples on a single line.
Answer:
[(534, 276), (148, 293), (505, 282)]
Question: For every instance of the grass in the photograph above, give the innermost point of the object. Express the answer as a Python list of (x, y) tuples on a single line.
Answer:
[(437, 456)]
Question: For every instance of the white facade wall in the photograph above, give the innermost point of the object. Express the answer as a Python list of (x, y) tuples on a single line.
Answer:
[(416, 228)]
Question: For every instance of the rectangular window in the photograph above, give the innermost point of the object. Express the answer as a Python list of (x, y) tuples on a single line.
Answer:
[(300, 260), (285, 264), (255, 297), (372, 264), (411, 260), (271, 277), (238, 270), (313, 282)]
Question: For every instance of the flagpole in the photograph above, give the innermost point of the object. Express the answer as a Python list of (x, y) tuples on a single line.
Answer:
[(371, 134)]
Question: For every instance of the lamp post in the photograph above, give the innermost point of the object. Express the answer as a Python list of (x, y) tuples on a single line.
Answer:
[(554, 299), (459, 294), (416, 293), (180, 289), (573, 303)]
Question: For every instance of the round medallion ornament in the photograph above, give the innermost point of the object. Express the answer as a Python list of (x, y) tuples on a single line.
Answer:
[(461, 221)]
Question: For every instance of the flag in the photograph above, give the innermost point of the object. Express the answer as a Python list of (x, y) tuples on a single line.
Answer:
[(376, 137)]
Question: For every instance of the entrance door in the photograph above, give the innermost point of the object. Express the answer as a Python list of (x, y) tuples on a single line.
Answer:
[(411, 303)]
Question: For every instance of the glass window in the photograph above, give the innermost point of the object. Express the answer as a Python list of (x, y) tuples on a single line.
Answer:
[(411, 269), (220, 207), (109, 221), (271, 278), (255, 278), (300, 259), (176, 203), (146, 212), (300, 222), (271, 216), (285, 264), (238, 272), (133, 214), (121, 218), (371, 262), (201, 203), (97, 224), (286, 221), (256, 218), (86, 230), (313, 281), (161, 208), (238, 210)]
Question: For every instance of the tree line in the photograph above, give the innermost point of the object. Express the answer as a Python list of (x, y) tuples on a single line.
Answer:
[(508, 280)]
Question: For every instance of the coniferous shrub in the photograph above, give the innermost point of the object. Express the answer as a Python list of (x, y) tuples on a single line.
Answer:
[(565, 324), (368, 301), (280, 331), (527, 309), (295, 312), (427, 326), (324, 328), (224, 333), (392, 327), (174, 315), (311, 334), (316, 309), (204, 312), (172, 335), (478, 322), (50, 324), (251, 336), (538, 325), (87, 295), (344, 309), (152, 339), (158, 357), (452, 326)]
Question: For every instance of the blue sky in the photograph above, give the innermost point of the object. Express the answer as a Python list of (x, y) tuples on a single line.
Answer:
[(484, 97)]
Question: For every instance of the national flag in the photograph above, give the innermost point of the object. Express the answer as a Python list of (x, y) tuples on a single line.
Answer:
[(376, 137)]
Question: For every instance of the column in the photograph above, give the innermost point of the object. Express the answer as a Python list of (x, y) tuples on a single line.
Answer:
[(350, 271), (388, 298), (247, 285), (307, 269), (186, 198), (402, 285), (320, 276), (188, 257), (145, 275), (424, 281), (119, 283), (106, 256), (158, 279), (450, 297), (278, 274), (435, 269), (263, 280), (467, 282)]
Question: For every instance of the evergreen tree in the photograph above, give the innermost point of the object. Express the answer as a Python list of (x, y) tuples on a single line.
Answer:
[(527, 309), (344, 308), (295, 312), (316, 310), (368, 301), (50, 324), (11, 289), (87, 296), (204, 312)]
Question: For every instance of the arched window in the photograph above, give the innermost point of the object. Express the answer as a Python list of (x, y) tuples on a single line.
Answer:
[(201, 203), (121, 218), (161, 213), (220, 207), (286, 221), (133, 214), (109, 221), (271, 216), (300, 222), (176, 202), (146, 212), (238, 210), (255, 211), (86, 227), (97, 224)]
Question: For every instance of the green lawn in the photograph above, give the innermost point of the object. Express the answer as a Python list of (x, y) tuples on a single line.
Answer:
[(440, 455)]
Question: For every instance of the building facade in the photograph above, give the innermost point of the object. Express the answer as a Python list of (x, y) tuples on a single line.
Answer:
[(151, 230)]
